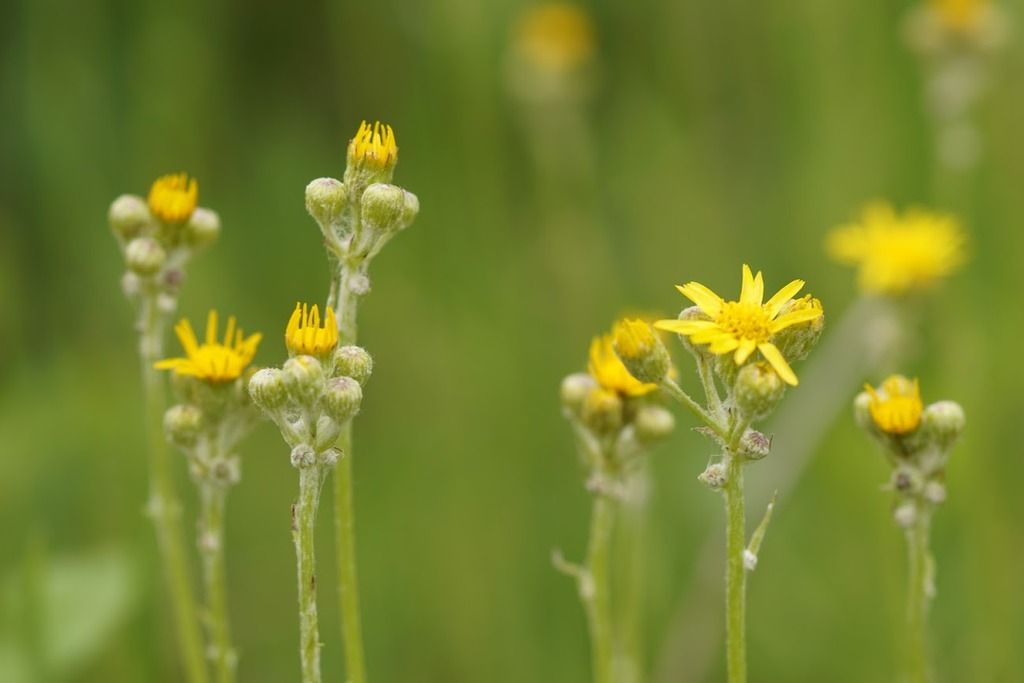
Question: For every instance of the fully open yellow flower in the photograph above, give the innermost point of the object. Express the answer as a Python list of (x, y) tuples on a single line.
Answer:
[(609, 372), (373, 146), (212, 361), (896, 406), (896, 254), (304, 336), (173, 198), (744, 326)]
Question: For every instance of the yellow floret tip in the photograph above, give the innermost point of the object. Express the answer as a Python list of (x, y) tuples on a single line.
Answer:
[(633, 339), (608, 371), (896, 407), (212, 361), (744, 326), (374, 146), (173, 198), (305, 336)]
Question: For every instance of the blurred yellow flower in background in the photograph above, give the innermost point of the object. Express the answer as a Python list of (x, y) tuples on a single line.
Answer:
[(898, 253), (896, 406), (555, 36), (173, 197), (608, 371), (213, 361), (959, 14)]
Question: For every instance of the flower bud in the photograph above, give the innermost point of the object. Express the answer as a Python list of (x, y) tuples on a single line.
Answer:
[(353, 361), (303, 379), (182, 424), (602, 411), (895, 406), (372, 155), (267, 389), (641, 351), (202, 228), (758, 390), (303, 455), (342, 398), (694, 313), (325, 201), (128, 215), (715, 476), (905, 515), (943, 423), (796, 341), (575, 389), (862, 412), (331, 456), (755, 445), (144, 256), (388, 208), (653, 423), (934, 492)]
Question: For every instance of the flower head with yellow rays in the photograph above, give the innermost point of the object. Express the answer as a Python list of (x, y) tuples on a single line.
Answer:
[(744, 326), (173, 198), (609, 372), (305, 337), (373, 146), (212, 361), (896, 407), (896, 254)]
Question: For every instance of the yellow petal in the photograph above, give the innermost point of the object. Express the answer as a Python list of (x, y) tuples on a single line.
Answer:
[(772, 354), (707, 300), (684, 326), (795, 317), (187, 337), (723, 345), (211, 327), (782, 296), (744, 350)]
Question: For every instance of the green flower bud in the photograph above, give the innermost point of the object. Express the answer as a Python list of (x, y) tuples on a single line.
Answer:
[(905, 515), (575, 389), (183, 424), (303, 455), (943, 423), (641, 351), (934, 492), (653, 423), (755, 445), (267, 389), (353, 361), (303, 379), (388, 208), (128, 215), (325, 201), (796, 341), (602, 411), (144, 256), (715, 476), (862, 413), (697, 351), (342, 398), (758, 390), (202, 228)]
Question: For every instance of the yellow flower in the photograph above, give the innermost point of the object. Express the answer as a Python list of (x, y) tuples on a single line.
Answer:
[(304, 336), (640, 350), (898, 253), (609, 372), (741, 327), (173, 198), (556, 36), (959, 14), (896, 406), (374, 146), (212, 361)]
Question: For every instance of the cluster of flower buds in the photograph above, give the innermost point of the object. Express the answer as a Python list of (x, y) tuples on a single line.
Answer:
[(360, 214), (158, 236), (917, 441), (317, 390), (617, 416)]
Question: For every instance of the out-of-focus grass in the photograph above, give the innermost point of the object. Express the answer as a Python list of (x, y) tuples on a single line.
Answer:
[(722, 132)]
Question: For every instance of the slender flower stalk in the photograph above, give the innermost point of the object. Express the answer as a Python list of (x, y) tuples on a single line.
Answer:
[(357, 216), (157, 237), (917, 441)]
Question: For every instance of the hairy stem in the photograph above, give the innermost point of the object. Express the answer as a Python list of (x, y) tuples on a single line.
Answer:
[(918, 595), (303, 526), (164, 507), (735, 573), (213, 498), (594, 591)]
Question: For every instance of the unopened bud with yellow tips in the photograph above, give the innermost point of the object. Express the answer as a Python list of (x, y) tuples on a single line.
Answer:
[(173, 198), (641, 351), (758, 390), (372, 155), (144, 256), (128, 215), (303, 379), (305, 336), (183, 423), (202, 228), (796, 341), (326, 199), (353, 361), (895, 407), (602, 411)]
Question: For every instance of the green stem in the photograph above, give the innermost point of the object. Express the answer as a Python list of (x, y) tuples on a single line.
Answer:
[(594, 590), (735, 572), (710, 390), (675, 391), (344, 508), (303, 527), (213, 498), (631, 558), (164, 506), (917, 599)]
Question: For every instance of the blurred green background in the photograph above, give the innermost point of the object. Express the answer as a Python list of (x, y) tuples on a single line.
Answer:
[(708, 133)]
